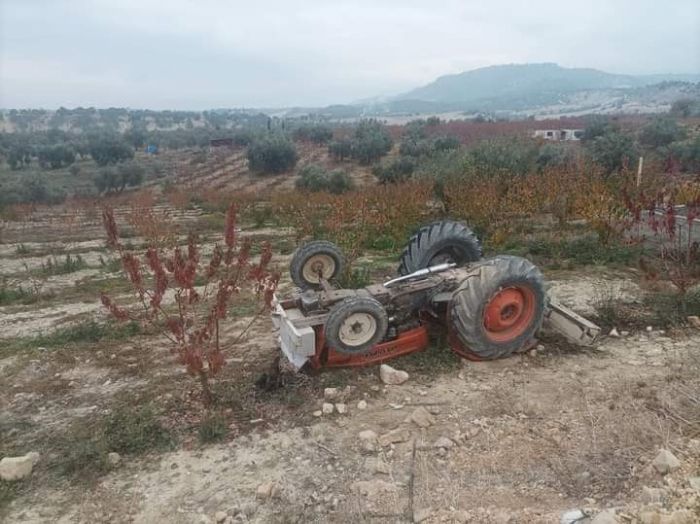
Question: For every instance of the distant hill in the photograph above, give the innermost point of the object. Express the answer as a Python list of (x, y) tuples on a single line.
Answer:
[(520, 86)]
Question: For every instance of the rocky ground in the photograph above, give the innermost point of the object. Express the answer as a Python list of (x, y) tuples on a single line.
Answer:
[(559, 434)]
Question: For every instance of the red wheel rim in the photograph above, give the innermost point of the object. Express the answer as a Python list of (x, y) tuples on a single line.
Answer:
[(509, 313)]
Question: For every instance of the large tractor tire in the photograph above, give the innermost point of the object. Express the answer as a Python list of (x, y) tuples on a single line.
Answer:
[(315, 260), (355, 325), (440, 242), (499, 307)]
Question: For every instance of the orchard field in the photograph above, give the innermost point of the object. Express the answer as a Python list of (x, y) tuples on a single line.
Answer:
[(132, 424)]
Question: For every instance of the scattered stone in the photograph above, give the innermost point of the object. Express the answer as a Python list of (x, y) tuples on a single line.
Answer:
[(265, 490), (16, 468), (422, 417), (605, 517), (341, 408), (330, 393), (649, 329), (444, 442), (220, 516), (362, 404), (114, 458), (653, 495), (573, 516), (625, 333), (317, 413), (666, 462), (419, 515), (694, 321), (391, 376), (368, 440), (694, 483), (327, 408), (394, 436), (614, 333)]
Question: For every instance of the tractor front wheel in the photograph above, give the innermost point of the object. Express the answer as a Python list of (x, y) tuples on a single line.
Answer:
[(316, 260), (355, 325), (499, 307)]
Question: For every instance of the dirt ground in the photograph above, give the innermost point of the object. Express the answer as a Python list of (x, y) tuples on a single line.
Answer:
[(521, 440)]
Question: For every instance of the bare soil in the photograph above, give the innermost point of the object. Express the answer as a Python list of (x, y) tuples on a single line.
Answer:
[(532, 436)]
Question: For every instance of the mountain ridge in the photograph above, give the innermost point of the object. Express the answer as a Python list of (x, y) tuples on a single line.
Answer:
[(541, 80)]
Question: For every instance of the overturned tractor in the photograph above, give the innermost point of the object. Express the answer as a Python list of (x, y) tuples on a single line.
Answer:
[(489, 307)]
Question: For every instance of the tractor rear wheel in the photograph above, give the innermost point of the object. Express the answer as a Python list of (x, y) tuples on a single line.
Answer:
[(437, 243), (499, 307), (355, 325), (315, 260)]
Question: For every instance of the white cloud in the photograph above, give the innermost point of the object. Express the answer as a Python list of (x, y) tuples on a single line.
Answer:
[(273, 52)]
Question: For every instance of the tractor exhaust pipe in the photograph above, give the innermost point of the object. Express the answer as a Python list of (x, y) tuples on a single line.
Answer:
[(421, 273)]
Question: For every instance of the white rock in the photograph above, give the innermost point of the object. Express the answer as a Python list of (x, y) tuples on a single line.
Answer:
[(330, 393), (327, 408), (666, 462), (694, 321), (419, 515), (362, 404), (573, 516), (649, 329), (317, 413), (391, 376), (220, 516), (16, 468), (422, 417), (614, 333), (341, 408), (265, 490), (444, 442), (114, 458)]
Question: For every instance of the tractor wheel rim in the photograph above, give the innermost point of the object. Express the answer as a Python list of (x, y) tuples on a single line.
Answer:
[(509, 313), (358, 329), (320, 264)]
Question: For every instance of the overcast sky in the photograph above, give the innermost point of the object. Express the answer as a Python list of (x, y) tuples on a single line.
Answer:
[(199, 54)]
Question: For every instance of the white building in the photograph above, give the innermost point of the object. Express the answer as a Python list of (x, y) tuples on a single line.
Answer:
[(559, 134)]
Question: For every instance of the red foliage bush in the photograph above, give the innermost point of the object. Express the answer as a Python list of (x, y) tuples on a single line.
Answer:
[(201, 293)]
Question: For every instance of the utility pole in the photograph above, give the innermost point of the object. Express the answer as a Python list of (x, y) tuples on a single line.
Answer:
[(640, 166)]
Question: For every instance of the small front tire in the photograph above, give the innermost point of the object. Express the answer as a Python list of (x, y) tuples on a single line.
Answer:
[(316, 260), (355, 325)]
